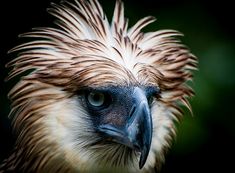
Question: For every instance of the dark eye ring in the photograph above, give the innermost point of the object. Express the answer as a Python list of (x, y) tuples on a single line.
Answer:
[(153, 93), (151, 99)]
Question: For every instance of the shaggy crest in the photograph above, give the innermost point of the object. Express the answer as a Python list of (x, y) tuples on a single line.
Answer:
[(85, 50)]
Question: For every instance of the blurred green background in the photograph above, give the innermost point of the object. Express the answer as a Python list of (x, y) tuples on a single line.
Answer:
[(206, 139)]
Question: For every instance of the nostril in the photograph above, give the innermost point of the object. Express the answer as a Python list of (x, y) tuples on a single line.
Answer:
[(132, 110)]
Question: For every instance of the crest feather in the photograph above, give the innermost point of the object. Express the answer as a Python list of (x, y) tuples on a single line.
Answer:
[(85, 33)]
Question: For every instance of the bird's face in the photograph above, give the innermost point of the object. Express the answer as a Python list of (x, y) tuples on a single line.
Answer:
[(111, 127), (121, 114), (99, 96)]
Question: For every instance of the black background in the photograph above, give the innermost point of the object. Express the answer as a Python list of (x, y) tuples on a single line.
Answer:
[(216, 151)]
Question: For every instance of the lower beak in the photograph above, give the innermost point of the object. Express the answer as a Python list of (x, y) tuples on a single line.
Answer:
[(137, 133)]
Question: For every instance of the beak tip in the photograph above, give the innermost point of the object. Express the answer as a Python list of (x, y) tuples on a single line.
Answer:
[(141, 165), (143, 157), (141, 162)]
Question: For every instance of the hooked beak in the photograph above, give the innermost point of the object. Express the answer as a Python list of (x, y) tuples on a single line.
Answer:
[(137, 132)]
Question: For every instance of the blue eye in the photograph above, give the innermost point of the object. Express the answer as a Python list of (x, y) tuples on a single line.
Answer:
[(96, 99)]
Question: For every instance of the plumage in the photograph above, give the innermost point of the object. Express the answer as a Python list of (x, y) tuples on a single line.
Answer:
[(54, 130)]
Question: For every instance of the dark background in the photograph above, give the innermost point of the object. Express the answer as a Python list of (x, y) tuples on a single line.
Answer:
[(205, 141)]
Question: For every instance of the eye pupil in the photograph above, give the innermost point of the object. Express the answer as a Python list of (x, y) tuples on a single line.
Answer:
[(96, 99)]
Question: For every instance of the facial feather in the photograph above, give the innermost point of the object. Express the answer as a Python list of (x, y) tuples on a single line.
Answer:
[(86, 51)]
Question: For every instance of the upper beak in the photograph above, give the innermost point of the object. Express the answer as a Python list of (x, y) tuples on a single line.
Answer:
[(137, 132)]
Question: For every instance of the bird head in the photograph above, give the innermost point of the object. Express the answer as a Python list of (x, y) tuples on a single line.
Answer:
[(98, 96)]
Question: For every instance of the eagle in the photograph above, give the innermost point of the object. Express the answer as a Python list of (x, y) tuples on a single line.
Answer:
[(96, 96)]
